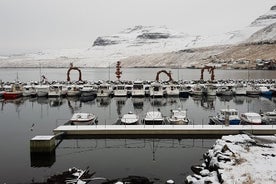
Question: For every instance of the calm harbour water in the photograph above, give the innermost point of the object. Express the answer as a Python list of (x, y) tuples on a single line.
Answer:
[(156, 159)]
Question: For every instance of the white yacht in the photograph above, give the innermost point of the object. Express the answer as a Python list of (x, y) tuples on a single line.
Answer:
[(73, 90), (104, 90), (120, 90), (42, 90), (57, 90), (171, 90), (29, 90), (138, 89), (239, 89), (156, 89)]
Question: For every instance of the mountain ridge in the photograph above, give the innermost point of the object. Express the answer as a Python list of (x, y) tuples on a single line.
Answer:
[(147, 42)]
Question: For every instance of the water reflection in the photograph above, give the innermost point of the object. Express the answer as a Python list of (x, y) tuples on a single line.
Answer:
[(103, 101), (69, 146)]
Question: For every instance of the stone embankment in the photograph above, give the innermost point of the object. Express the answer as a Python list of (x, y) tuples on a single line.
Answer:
[(238, 159)]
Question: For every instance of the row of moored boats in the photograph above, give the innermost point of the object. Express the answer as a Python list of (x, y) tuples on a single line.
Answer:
[(178, 117), (136, 89)]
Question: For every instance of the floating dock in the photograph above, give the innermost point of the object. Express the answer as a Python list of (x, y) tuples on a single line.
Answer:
[(163, 130)]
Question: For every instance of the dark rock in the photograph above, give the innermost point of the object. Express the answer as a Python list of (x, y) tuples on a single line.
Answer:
[(104, 42), (187, 51), (273, 8), (153, 36), (197, 169)]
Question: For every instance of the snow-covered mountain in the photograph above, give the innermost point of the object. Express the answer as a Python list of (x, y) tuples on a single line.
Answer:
[(142, 40)]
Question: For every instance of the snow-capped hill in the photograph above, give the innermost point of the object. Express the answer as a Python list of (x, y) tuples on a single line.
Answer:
[(137, 35), (266, 19), (267, 34), (143, 40)]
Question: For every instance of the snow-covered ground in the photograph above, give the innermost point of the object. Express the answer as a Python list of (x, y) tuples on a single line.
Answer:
[(139, 40), (238, 159)]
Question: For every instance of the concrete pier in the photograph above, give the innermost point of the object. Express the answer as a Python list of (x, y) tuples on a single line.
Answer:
[(163, 130)]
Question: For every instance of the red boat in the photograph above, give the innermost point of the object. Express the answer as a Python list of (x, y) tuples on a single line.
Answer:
[(12, 92)]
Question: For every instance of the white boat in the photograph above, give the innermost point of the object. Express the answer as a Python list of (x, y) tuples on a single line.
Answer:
[(269, 117), (252, 90), (83, 119), (224, 115), (224, 91), (154, 118), (120, 90), (197, 90), (89, 90), (210, 89), (29, 90), (104, 90), (156, 89), (138, 89), (42, 90), (178, 117), (239, 89), (57, 90), (73, 90), (130, 118), (251, 118), (171, 90)]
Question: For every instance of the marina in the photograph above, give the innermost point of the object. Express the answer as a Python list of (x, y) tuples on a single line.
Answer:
[(165, 151)]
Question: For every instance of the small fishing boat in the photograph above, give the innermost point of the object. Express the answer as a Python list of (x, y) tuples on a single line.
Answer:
[(224, 115), (250, 118), (154, 118), (83, 119), (13, 91), (130, 118), (178, 117)]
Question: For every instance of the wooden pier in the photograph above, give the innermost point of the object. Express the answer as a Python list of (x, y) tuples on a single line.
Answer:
[(163, 130)]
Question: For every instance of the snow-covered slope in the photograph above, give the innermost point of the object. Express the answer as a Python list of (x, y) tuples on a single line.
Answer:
[(267, 34), (136, 41)]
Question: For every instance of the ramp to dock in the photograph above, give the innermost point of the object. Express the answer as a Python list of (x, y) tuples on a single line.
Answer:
[(180, 130)]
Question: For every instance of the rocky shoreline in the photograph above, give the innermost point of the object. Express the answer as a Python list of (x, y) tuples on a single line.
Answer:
[(238, 159)]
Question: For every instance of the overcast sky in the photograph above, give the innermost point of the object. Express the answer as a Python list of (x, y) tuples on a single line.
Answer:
[(34, 25)]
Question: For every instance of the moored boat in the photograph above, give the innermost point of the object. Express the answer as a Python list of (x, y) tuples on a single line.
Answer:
[(130, 118), (13, 91), (83, 119), (269, 117), (250, 118), (138, 89), (178, 117), (156, 89), (42, 90), (225, 117), (154, 118)]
